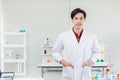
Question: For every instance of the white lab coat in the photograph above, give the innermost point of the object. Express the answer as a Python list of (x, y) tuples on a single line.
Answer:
[(68, 48)]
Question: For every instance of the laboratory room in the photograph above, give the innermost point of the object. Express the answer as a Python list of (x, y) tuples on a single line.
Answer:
[(59, 40)]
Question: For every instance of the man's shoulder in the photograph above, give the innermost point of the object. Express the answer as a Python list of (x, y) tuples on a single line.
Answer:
[(89, 33)]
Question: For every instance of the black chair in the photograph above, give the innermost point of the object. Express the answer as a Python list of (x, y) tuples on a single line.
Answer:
[(7, 75)]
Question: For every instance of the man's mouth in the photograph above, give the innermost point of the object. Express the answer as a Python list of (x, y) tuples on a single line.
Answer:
[(79, 24)]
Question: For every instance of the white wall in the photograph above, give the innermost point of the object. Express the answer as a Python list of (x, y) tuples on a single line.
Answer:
[(48, 18), (41, 19), (1, 24)]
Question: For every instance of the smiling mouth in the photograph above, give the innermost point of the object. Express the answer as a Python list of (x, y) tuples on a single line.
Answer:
[(79, 24)]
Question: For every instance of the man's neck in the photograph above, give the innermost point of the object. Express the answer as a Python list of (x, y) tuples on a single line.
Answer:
[(77, 31)]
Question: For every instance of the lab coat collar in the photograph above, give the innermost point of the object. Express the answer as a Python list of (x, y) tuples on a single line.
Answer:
[(82, 36)]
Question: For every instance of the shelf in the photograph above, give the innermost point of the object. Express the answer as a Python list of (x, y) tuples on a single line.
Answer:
[(100, 64), (17, 67), (14, 33), (14, 45), (47, 54), (13, 57), (47, 47), (12, 60)]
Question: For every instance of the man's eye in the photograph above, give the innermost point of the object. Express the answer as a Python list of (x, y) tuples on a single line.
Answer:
[(81, 18), (76, 18)]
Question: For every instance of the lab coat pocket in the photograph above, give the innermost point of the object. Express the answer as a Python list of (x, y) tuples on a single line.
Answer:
[(68, 72), (87, 73)]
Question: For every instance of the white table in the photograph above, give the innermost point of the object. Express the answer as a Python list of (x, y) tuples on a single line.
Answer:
[(47, 66)]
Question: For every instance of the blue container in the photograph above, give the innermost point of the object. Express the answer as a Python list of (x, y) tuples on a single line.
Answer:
[(22, 30)]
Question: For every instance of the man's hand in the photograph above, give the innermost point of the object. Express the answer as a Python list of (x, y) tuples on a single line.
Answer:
[(89, 63), (66, 64)]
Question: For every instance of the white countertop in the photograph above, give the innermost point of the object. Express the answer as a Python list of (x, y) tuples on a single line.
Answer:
[(59, 65)]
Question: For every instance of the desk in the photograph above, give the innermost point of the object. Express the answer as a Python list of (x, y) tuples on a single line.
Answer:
[(45, 67)]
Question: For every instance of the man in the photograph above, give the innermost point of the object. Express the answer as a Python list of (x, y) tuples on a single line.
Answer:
[(77, 50)]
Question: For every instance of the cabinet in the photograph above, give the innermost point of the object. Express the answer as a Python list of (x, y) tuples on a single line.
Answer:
[(14, 52), (47, 55), (47, 58)]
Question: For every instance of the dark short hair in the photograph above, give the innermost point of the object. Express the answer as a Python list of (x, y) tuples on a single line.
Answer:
[(78, 10)]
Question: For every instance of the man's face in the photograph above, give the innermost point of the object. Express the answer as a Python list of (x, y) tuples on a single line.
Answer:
[(78, 20)]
